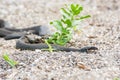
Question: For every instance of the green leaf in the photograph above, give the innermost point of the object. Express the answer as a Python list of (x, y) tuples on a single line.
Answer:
[(9, 61), (68, 22), (53, 38), (65, 13), (78, 11), (73, 8), (62, 20), (84, 17), (66, 31), (58, 25), (51, 22), (61, 41)]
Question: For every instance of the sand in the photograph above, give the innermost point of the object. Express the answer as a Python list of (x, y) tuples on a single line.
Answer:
[(101, 30)]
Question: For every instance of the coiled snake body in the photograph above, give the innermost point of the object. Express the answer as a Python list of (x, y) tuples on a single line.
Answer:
[(20, 34)]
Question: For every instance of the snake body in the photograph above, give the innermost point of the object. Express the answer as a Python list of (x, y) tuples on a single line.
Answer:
[(21, 44), (11, 33)]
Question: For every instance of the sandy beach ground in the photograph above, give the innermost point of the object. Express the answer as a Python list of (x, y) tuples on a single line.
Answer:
[(104, 26)]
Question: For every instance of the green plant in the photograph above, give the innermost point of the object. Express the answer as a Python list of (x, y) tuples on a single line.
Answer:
[(67, 24), (9, 61), (49, 47)]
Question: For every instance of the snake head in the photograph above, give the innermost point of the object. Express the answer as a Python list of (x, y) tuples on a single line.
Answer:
[(89, 49)]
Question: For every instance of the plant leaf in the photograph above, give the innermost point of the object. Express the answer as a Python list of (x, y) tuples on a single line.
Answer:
[(65, 13), (84, 17), (78, 10), (58, 25), (73, 8), (68, 22), (9, 61)]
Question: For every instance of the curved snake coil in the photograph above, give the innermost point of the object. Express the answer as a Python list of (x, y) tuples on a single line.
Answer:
[(10, 33)]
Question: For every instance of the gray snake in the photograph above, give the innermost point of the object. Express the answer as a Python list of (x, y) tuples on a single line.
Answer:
[(20, 34)]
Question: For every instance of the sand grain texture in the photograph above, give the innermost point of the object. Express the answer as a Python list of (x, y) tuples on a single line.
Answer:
[(101, 30)]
